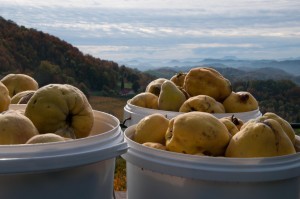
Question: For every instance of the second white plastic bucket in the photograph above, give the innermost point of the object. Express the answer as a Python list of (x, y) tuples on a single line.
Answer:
[(153, 173)]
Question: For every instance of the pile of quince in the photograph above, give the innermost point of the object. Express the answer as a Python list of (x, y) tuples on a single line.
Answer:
[(54, 112), (201, 133), (201, 89), (197, 94)]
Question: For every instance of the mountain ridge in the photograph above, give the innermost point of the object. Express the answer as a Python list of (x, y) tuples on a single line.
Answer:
[(289, 65)]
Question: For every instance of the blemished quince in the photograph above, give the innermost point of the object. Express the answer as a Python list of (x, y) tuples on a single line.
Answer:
[(242, 101), (45, 138), (145, 99), (4, 98), (15, 128), (178, 79), (171, 97), (155, 145), (151, 128), (155, 86), (61, 108), (207, 81), (197, 133), (287, 128), (16, 83), (202, 103), (237, 121), (17, 97), (232, 128), (260, 139)]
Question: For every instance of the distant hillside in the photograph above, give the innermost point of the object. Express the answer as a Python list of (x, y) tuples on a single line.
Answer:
[(291, 66), (51, 60), (233, 74)]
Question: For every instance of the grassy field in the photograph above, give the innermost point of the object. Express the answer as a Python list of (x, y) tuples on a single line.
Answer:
[(113, 106)]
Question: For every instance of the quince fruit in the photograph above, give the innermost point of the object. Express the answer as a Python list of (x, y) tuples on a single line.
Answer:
[(155, 86), (232, 128), (207, 81), (151, 128), (16, 83), (202, 103), (178, 79), (170, 97), (155, 145), (145, 99), (45, 138), (4, 98), (21, 96), (285, 125), (15, 128), (62, 109), (260, 139), (242, 101), (197, 133)]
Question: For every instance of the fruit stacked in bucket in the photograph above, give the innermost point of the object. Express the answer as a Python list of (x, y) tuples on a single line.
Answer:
[(54, 112), (200, 133), (197, 94), (200, 89)]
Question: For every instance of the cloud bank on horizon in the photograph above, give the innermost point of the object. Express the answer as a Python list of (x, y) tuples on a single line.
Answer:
[(166, 29)]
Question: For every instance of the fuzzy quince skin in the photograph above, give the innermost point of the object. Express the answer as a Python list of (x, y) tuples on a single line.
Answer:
[(21, 95), (151, 128), (146, 100), (62, 109), (242, 101), (15, 128), (4, 98), (207, 81), (45, 138), (197, 133), (287, 128), (260, 139), (16, 83), (203, 103)]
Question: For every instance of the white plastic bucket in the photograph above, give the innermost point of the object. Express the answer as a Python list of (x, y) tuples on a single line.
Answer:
[(75, 169), (154, 173), (133, 114)]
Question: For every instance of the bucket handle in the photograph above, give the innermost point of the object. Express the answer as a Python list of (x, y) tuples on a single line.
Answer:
[(122, 125)]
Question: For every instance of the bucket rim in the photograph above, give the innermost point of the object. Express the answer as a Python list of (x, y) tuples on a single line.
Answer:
[(133, 109), (20, 158), (211, 168)]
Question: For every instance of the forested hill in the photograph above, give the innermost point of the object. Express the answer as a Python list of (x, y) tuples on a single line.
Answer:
[(50, 60)]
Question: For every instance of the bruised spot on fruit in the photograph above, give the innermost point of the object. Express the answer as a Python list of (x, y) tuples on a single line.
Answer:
[(35, 101), (244, 98)]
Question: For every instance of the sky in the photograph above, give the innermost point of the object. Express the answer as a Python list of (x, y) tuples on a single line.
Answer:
[(122, 30)]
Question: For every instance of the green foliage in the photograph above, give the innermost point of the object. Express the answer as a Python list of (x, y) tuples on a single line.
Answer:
[(279, 96)]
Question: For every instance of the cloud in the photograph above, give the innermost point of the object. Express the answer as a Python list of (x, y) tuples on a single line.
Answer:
[(128, 28)]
